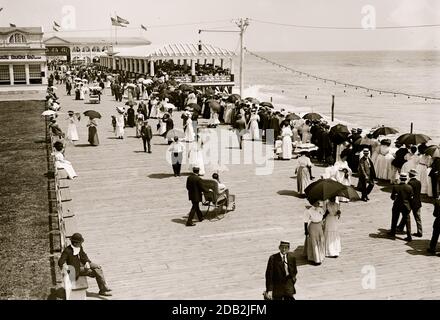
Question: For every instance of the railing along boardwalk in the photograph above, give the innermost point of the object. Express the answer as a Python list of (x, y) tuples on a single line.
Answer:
[(131, 211)]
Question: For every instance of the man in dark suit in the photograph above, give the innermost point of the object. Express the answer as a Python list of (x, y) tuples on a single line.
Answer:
[(366, 175), (147, 135), (399, 158), (435, 227), (416, 203), (435, 174), (402, 194), (281, 274), (194, 187), (75, 257), (240, 129)]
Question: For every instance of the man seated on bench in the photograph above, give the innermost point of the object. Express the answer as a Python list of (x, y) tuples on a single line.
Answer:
[(75, 257), (222, 190)]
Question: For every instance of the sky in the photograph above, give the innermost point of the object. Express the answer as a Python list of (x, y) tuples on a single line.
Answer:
[(162, 19)]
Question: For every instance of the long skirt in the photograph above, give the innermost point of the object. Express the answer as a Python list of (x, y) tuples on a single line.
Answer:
[(254, 130), (189, 132), (93, 136), (287, 148), (72, 132), (332, 237), (314, 246), (302, 179), (119, 131)]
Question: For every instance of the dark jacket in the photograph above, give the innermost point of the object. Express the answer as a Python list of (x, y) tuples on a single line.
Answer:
[(402, 195), (399, 159), (435, 167), (276, 279), (146, 132), (366, 169), (194, 187), (416, 186), (74, 261)]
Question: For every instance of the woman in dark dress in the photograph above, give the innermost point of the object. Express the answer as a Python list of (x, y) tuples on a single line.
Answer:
[(130, 117), (93, 133)]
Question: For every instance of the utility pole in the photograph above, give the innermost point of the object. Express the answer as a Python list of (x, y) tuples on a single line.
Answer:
[(242, 24)]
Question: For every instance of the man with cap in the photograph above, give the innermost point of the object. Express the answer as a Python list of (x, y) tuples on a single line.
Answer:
[(281, 274), (402, 194), (366, 174), (194, 187), (147, 135), (75, 257), (416, 203)]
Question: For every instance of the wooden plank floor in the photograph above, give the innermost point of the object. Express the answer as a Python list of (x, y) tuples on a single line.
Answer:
[(132, 217)]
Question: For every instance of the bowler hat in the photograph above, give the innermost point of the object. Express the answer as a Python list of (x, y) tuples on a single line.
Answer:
[(77, 238)]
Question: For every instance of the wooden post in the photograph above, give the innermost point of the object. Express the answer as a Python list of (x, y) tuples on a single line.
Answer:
[(412, 126), (333, 107)]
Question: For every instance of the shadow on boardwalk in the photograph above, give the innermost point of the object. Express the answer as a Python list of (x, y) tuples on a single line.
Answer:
[(165, 175)]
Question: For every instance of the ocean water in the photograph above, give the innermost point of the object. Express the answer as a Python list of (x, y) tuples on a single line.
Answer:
[(414, 72)]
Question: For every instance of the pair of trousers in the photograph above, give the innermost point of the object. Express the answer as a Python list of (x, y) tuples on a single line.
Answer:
[(176, 158), (195, 209), (366, 186), (96, 272), (396, 211), (435, 234), (434, 181), (417, 218), (146, 142)]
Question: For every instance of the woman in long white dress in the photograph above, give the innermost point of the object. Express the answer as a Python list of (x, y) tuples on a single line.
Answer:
[(314, 247), (62, 163), (162, 125), (424, 163), (303, 172), (72, 132), (82, 92), (253, 126), (228, 113), (120, 125), (189, 129), (343, 175), (214, 120), (286, 134), (331, 232), (154, 102), (305, 129), (195, 157), (382, 163), (412, 160)]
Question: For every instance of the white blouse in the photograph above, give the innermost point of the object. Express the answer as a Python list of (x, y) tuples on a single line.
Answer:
[(313, 214)]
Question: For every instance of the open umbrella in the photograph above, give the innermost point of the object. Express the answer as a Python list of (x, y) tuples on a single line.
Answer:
[(267, 104), (312, 116), (323, 189), (383, 131), (131, 103), (433, 151), (234, 98), (350, 193), (195, 106), (339, 133), (48, 113), (292, 116), (252, 100), (413, 138), (214, 105), (92, 114), (175, 133)]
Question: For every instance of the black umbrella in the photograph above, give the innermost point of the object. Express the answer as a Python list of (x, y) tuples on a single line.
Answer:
[(267, 104), (214, 105), (350, 193), (195, 106), (292, 116), (383, 131), (339, 133), (312, 116), (323, 189), (234, 98), (92, 114), (413, 138), (433, 151), (252, 100)]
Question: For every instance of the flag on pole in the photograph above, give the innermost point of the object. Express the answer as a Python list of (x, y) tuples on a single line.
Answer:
[(116, 23), (144, 27), (122, 20), (12, 25), (56, 24)]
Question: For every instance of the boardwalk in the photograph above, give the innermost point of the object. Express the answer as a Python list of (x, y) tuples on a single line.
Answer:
[(132, 211)]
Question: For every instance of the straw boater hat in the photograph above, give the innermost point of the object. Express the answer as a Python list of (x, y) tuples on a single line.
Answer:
[(70, 112), (403, 176), (284, 243), (366, 151), (412, 173)]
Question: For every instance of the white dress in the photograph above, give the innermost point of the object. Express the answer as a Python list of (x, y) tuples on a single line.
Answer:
[(411, 163), (119, 125), (62, 163), (286, 134), (153, 113), (425, 162), (195, 158), (72, 132), (214, 118), (228, 113), (189, 130), (331, 233), (306, 136), (382, 163), (82, 93), (253, 127)]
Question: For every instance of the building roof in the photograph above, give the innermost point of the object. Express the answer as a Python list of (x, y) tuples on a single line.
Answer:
[(28, 30), (96, 40), (172, 51)]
